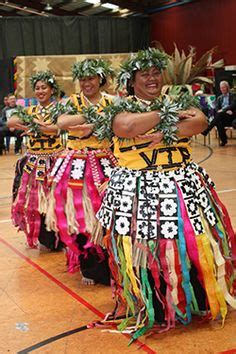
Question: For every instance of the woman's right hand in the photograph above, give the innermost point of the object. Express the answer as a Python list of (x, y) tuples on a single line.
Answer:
[(20, 126), (84, 129)]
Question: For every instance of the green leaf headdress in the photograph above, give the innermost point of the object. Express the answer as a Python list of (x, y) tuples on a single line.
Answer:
[(142, 60), (92, 67), (45, 76)]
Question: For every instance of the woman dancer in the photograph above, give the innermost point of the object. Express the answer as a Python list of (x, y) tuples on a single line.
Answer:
[(170, 242), (30, 189), (81, 172)]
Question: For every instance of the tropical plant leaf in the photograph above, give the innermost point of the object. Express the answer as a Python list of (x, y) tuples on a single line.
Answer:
[(184, 70), (201, 64), (217, 64), (171, 71), (165, 89), (177, 56), (200, 79)]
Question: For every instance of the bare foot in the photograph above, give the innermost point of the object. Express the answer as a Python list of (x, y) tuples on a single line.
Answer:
[(87, 281)]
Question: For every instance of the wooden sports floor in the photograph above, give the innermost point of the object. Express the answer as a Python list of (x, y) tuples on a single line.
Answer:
[(43, 309)]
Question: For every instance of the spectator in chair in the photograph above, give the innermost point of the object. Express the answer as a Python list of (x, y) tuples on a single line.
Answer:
[(225, 113), (6, 114)]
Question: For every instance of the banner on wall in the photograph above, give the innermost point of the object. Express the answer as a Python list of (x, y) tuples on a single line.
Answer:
[(61, 67)]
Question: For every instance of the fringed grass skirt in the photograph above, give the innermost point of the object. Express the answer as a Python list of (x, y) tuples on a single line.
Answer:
[(162, 226), (31, 193), (78, 179)]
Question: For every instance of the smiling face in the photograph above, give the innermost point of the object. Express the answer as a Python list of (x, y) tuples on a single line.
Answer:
[(148, 83), (43, 92), (90, 86)]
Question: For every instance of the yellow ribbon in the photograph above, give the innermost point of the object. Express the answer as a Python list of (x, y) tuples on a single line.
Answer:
[(127, 246)]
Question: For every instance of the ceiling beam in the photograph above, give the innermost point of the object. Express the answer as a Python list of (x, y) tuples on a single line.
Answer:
[(77, 12), (137, 7), (35, 5)]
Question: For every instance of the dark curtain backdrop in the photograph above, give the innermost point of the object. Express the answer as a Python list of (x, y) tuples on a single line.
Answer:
[(6, 78), (71, 35)]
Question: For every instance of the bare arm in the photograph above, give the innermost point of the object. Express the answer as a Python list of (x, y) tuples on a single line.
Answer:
[(65, 121), (48, 129), (129, 125), (16, 123), (190, 126)]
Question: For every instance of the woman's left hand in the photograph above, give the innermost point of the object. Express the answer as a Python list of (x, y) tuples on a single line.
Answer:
[(188, 113), (155, 138)]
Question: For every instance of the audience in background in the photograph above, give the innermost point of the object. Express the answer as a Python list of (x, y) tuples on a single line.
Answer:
[(6, 132), (225, 115)]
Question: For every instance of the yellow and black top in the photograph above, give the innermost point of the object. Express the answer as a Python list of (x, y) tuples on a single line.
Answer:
[(74, 141), (45, 144), (137, 155)]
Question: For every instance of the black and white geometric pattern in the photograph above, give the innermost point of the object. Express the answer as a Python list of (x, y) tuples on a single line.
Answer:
[(144, 204), (77, 168), (147, 203), (168, 208), (106, 166)]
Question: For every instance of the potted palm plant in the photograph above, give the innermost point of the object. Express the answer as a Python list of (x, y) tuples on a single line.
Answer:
[(183, 70)]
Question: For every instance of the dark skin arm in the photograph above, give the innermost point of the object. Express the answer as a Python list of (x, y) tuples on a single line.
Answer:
[(192, 125), (131, 125), (66, 121), (16, 123)]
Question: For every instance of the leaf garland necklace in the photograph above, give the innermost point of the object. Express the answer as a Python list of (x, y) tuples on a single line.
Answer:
[(168, 109), (41, 113), (87, 103)]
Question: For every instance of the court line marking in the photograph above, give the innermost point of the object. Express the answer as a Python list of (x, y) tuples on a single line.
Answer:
[(82, 301), (226, 191)]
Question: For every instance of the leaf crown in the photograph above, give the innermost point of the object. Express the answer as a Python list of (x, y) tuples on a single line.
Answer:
[(142, 60), (92, 67)]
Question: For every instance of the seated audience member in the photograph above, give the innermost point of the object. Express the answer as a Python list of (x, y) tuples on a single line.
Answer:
[(2, 124), (6, 114), (2, 146), (225, 113), (5, 104)]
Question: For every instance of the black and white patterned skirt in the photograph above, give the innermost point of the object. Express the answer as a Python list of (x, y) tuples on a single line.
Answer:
[(144, 204)]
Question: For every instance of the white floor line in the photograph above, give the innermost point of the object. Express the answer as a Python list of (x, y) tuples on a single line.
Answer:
[(6, 220), (226, 191)]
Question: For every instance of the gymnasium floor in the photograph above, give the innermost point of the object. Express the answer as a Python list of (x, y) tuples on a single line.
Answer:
[(40, 303)]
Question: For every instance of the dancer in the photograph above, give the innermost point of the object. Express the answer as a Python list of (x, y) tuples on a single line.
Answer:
[(169, 237), (30, 189), (81, 173)]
